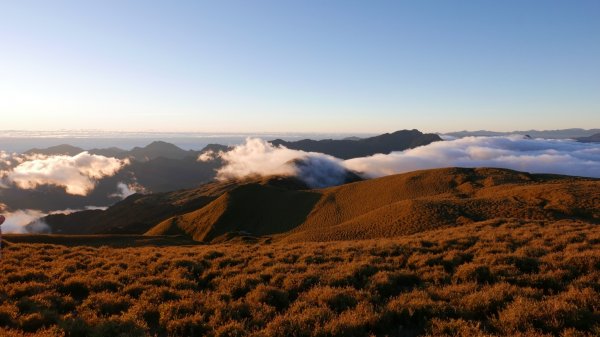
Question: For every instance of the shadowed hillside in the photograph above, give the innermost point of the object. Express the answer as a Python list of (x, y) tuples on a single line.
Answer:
[(391, 206), (256, 209), (138, 213), (63, 149)]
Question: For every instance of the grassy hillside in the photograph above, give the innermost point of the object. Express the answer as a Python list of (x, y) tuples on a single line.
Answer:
[(254, 208), (390, 206), (138, 213), (492, 278), (424, 200), (108, 240)]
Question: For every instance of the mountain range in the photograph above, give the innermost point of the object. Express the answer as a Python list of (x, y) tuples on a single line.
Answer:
[(163, 167), (154, 150), (354, 147), (595, 138), (158, 167), (285, 209)]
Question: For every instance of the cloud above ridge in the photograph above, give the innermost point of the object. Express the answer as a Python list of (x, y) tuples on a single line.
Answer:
[(259, 158), (77, 174), (512, 152)]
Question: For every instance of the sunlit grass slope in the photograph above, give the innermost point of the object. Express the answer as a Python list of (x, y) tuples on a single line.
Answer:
[(390, 206)]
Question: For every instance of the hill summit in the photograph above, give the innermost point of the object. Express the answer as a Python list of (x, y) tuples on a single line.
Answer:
[(389, 206)]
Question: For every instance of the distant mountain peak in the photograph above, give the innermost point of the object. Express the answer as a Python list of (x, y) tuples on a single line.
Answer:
[(595, 138), (62, 149), (161, 145), (158, 149), (346, 149)]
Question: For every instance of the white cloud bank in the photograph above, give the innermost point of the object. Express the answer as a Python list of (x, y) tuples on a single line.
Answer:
[(77, 174), (207, 156), (259, 158), (17, 221), (125, 190), (25, 221), (513, 152)]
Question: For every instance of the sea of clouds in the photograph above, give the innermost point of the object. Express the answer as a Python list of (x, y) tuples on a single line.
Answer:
[(259, 158), (30, 220), (79, 174)]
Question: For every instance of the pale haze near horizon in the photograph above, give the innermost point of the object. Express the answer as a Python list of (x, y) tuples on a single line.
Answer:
[(310, 66)]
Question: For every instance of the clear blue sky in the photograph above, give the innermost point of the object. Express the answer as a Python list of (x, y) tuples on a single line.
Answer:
[(347, 66)]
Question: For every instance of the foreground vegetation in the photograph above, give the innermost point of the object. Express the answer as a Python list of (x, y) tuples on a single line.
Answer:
[(493, 278)]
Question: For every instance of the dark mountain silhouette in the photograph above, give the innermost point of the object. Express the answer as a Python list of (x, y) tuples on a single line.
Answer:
[(595, 138), (63, 149), (160, 149), (154, 150), (550, 134), (353, 148), (163, 174), (215, 148), (69, 150), (110, 152)]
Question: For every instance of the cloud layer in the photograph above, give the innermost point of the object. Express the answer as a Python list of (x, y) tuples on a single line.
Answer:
[(512, 152), (31, 220), (77, 174), (125, 190), (17, 221), (259, 158)]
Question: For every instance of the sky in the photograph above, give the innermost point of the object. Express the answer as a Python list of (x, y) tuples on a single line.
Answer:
[(299, 66)]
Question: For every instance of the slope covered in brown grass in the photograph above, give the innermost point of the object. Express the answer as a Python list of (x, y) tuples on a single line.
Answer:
[(492, 278), (391, 206), (137, 213), (253, 208)]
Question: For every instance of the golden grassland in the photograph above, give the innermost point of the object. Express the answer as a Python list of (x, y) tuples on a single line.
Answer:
[(395, 205), (492, 278)]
